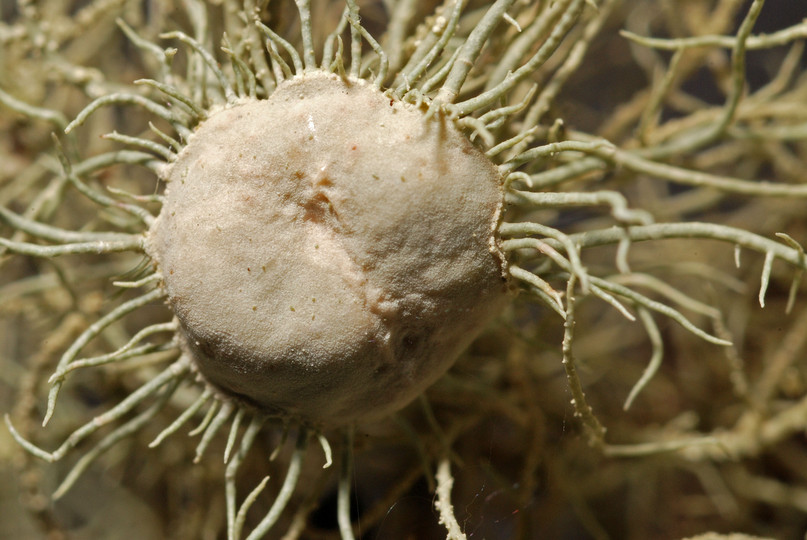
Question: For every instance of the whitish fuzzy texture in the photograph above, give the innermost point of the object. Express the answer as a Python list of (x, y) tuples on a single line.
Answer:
[(328, 251)]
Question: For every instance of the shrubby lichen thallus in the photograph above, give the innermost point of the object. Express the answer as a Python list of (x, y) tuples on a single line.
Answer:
[(331, 235)]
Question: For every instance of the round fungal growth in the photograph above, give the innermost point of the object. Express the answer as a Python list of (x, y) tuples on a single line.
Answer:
[(328, 251)]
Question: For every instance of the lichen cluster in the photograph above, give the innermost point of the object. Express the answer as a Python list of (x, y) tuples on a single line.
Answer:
[(632, 385)]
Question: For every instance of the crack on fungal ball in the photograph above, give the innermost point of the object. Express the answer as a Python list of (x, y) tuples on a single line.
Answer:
[(373, 227)]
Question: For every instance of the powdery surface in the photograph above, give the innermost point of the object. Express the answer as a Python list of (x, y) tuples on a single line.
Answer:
[(329, 252)]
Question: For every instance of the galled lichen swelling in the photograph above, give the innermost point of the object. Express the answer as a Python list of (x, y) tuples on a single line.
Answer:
[(328, 274)]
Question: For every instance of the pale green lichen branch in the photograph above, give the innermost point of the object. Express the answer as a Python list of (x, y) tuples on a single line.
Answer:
[(345, 480), (525, 41), (211, 62), (73, 177), (99, 246), (635, 162), (123, 353), (383, 61), (469, 52), (713, 231), (541, 288), (225, 413), (235, 520), (273, 38), (64, 236), (436, 79), (155, 147), (237, 418), (163, 56), (570, 66), (445, 482), (612, 199), (244, 88), (657, 285), (595, 431), (122, 99), (289, 483), (753, 42), (572, 251), (183, 418), (413, 74), (249, 500), (601, 286), (799, 275), (304, 8), (328, 57), (127, 429), (355, 38), (94, 330), (208, 417), (559, 31), (326, 449), (656, 357), (174, 93), (175, 371), (54, 117)]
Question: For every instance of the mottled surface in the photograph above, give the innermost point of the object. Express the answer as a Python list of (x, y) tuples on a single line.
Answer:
[(329, 251)]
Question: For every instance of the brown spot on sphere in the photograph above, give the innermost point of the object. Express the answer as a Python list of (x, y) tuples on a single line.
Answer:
[(404, 274)]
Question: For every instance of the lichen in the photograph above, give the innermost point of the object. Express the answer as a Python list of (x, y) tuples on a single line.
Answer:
[(604, 174)]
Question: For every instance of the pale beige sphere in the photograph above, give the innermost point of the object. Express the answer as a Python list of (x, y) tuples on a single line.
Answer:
[(328, 251)]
